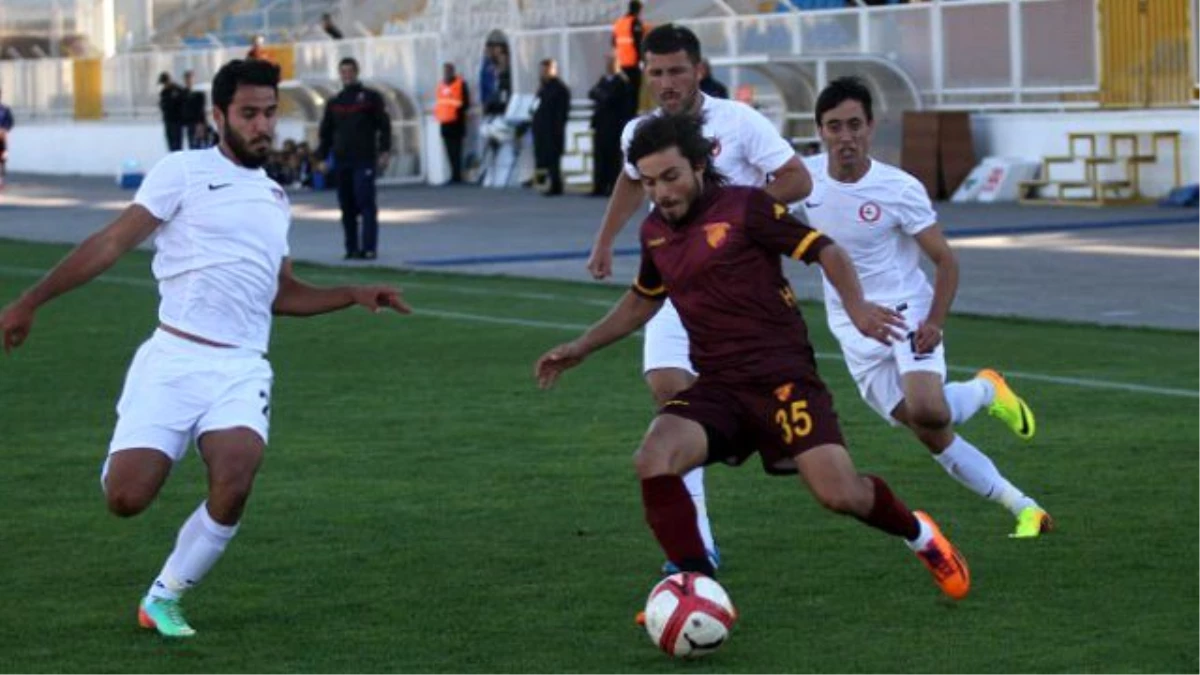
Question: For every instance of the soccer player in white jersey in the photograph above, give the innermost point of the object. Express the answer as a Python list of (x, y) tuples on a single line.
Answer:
[(885, 221), (749, 151), (222, 265)]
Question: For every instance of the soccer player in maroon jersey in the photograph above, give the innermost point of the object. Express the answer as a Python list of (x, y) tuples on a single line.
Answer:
[(715, 251)]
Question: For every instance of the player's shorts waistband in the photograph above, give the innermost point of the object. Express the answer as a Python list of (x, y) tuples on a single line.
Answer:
[(182, 345)]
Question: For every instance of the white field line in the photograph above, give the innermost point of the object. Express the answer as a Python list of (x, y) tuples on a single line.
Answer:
[(1080, 382)]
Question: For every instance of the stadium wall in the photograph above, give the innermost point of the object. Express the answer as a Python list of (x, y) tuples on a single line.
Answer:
[(1037, 135), (96, 148), (99, 148)]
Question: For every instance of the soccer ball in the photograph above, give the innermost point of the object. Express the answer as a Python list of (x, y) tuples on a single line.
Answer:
[(689, 615)]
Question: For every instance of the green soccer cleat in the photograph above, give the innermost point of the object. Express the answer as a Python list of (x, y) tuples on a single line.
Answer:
[(165, 616), (1008, 407), (1032, 521)]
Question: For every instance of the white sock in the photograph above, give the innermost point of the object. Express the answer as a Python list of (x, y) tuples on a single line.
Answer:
[(966, 464), (966, 398), (923, 537), (694, 482), (200, 544)]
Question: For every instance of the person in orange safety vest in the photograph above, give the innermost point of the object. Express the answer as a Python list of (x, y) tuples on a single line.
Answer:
[(627, 47), (450, 109)]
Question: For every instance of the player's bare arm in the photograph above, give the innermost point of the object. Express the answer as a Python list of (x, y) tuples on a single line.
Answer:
[(875, 321), (297, 298), (790, 182), (85, 262), (945, 285), (626, 198), (630, 313)]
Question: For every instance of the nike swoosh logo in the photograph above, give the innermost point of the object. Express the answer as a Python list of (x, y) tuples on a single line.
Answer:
[(1024, 420), (218, 186), (811, 205)]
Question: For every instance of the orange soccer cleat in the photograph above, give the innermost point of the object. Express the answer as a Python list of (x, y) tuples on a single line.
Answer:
[(945, 563)]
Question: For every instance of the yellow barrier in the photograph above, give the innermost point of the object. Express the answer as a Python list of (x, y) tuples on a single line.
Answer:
[(1145, 47), (89, 87)]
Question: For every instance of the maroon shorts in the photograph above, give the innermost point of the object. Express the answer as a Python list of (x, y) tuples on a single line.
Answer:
[(779, 420)]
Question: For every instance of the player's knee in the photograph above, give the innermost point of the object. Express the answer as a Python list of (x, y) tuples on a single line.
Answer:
[(653, 458), (127, 501), (929, 417)]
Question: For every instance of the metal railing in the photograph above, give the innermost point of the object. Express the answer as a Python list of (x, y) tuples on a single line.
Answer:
[(975, 54), (967, 54)]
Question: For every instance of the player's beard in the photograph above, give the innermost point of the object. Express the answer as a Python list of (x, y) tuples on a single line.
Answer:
[(241, 149), (697, 190)]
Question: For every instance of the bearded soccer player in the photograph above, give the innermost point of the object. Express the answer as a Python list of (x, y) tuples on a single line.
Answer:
[(715, 252), (222, 265), (747, 149), (884, 220)]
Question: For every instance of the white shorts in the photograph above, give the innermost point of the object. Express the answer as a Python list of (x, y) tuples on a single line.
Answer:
[(177, 389), (877, 369), (666, 342)]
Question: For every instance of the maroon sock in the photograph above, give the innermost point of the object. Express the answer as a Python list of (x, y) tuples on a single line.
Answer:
[(890, 514), (672, 516)]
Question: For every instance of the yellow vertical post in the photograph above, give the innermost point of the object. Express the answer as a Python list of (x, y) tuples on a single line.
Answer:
[(89, 91)]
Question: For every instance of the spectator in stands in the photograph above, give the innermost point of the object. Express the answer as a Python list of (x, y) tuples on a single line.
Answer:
[(627, 43), (450, 110), (709, 84), (195, 128), (550, 110), (6, 125), (357, 130), (258, 49), (610, 113), (330, 27), (170, 102)]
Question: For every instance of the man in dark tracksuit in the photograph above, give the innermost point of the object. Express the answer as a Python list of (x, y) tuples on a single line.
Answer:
[(610, 114), (195, 128), (170, 102), (551, 108), (356, 127)]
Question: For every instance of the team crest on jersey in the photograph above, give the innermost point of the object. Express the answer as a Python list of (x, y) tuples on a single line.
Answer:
[(716, 147), (716, 234), (780, 209), (869, 212), (784, 392)]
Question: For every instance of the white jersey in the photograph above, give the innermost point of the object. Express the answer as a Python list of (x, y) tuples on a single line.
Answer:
[(748, 146), (875, 220), (220, 247)]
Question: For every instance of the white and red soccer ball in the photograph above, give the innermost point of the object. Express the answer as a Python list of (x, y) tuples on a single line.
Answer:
[(689, 615)]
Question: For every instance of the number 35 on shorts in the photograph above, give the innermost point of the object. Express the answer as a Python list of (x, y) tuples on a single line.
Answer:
[(794, 420)]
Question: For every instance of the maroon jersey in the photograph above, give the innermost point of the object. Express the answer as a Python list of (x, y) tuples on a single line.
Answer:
[(722, 270)]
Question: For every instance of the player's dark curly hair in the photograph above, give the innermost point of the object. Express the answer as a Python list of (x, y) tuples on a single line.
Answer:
[(255, 72), (670, 38), (686, 132), (841, 90)]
